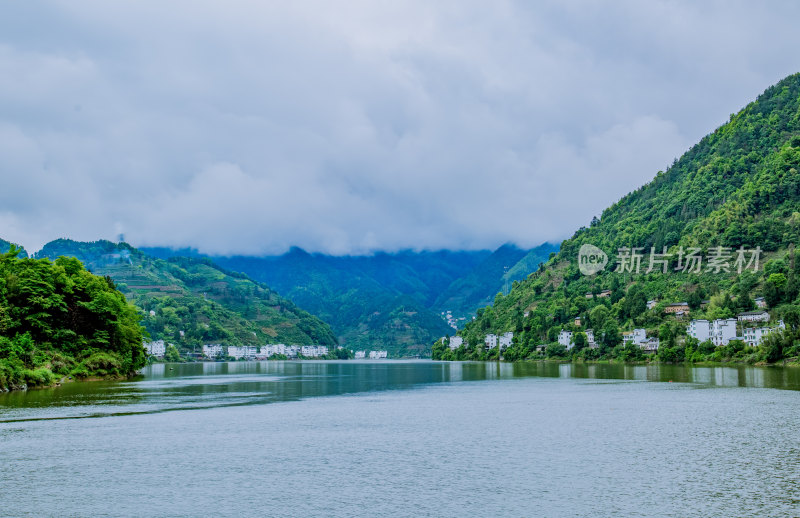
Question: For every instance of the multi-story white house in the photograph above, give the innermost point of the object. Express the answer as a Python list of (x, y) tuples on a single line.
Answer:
[(490, 341), (700, 329), (313, 351), (212, 350), (760, 302), (590, 339), (378, 355), (236, 352), (720, 331), (504, 341), (157, 348), (272, 349), (723, 331), (360, 355), (565, 338), (637, 336), (456, 342), (753, 316), (292, 351), (754, 335)]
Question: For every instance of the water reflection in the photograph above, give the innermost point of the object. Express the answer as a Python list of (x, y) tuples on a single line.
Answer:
[(165, 387)]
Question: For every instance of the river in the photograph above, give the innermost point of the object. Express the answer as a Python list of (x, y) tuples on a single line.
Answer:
[(407, 438)]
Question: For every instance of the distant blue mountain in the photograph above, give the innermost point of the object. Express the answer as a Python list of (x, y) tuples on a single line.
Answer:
[(5, 246)]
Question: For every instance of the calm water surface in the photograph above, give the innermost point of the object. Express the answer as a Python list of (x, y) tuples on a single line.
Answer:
[(407, 439)]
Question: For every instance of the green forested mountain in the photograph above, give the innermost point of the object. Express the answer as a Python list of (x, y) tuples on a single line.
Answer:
[(739, 187), (190, 301), (499, 270), (57, 319), (387, 301)]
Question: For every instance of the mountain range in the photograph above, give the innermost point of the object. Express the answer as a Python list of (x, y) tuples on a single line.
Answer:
[(399, 302), (396, 301)]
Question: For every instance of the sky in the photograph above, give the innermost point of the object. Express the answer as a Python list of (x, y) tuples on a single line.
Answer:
[(351, 127)]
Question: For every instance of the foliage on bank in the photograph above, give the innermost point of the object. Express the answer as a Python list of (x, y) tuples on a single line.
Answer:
[(57, 319)]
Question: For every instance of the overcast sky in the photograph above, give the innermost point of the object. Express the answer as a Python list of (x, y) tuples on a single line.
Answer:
[(350, 127)]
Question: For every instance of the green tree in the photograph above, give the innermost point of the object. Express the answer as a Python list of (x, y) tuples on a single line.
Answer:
[(172, 354), (598, 316), (579, 340)]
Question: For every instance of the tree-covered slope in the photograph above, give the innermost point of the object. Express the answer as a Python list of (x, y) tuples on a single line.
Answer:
[(56, 319), (738, 187), (479, 287), (191, 301)]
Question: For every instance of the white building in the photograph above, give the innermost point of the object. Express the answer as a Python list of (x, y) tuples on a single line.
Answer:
[(236, 352), (157, 348), (760, 302), (723, 331), (590, 339), (700, 329), (753, 316), (244, 351), (212, 350), (637, 336), (456, 342), (292, 351), (651, 304), (754, 335), (272, 349), (504, 341), (378, 355), (650, 346), (313, 351), (565, 338), (490, 341), (360, 355)]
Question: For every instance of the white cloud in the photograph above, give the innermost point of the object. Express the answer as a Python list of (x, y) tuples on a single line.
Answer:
[(250, 127)]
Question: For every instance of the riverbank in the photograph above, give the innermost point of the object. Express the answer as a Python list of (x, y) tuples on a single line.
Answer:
[(54, 369)]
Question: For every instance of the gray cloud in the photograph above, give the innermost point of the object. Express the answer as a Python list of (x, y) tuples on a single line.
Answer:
[(249, 127)]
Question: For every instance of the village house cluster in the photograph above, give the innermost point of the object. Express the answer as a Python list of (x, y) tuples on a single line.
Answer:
[(157, 348), (636, 337), (252, 352), (451, 320), (722, 331), (490, 341)]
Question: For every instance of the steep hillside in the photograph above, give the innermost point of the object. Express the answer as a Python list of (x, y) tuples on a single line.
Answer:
[(498, 271), (191, 300), (738, 187)]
